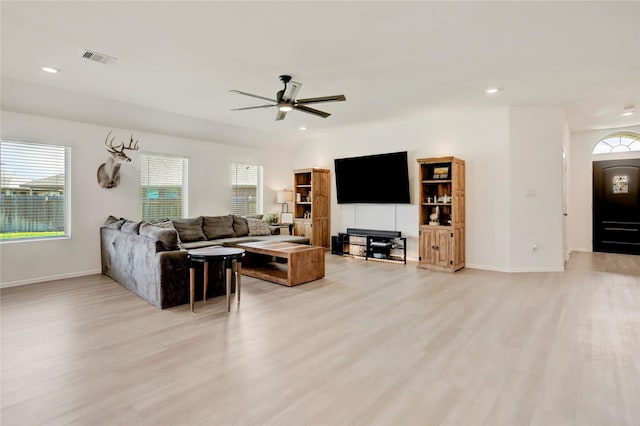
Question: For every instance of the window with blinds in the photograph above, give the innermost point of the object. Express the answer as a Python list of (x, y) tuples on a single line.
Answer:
[(246, 189), (162, 187), (34, 198)]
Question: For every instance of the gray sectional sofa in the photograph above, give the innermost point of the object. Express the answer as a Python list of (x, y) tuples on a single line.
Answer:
[(151, 259)]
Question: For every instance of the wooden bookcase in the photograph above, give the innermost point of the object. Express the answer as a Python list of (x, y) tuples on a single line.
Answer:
[(311, 205), (441, 243)]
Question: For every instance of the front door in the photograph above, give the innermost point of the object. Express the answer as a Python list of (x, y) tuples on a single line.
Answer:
[(616, 206)]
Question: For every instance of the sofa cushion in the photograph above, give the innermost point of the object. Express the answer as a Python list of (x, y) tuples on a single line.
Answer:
[(167, 237), (218, 227), (189, 229), (199, 244), (113, 223), (130, 227), (258, 227), (167, 224), (240, 226)]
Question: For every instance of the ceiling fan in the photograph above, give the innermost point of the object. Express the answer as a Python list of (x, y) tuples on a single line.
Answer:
[(286, 100)]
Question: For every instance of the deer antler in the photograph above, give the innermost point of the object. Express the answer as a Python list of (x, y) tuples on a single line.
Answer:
[(109, 144), (132, 147), (119, 149)]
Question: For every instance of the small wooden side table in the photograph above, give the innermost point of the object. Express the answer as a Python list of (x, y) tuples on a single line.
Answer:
[(204, 256), (288, 226)]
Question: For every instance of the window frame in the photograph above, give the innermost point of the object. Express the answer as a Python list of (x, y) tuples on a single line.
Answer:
[(259, 187), (185, 182), (67, 195), (602, 142)]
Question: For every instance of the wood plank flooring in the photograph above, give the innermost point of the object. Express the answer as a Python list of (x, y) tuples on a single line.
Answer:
[(370, 344)]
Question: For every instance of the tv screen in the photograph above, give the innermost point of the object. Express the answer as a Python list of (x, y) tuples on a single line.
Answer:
[(373, 179)]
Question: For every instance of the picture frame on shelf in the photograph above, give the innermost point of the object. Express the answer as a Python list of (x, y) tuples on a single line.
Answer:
[(441, 172), (286, 217)]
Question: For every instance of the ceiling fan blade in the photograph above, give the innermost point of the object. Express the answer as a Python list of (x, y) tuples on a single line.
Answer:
[(281, 115), (253, 107), (292, 90), (311, 111), (252, 95), (335, 98)]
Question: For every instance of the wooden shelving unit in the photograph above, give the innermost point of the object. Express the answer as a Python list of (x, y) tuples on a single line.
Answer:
[(441, 245), (311, 212)]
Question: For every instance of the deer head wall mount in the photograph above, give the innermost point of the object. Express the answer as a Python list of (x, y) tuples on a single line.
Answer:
[(109, 171)]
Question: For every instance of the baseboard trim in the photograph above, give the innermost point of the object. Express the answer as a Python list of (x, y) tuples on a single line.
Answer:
[(49, 278), (516, 270)]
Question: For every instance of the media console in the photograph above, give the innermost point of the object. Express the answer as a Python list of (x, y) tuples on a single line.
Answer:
[(371, 244)]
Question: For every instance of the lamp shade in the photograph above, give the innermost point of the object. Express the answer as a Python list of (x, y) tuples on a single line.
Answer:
[(285, 196)]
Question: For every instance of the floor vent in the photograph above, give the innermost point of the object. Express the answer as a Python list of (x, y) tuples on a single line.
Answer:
[(97, 57)]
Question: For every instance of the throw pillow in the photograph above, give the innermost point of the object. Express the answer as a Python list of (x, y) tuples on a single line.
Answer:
[(167, 237), (113, 223), (189, 229), (258, 227), (240, 226), (215, 227), (130, 227), (167, 224)]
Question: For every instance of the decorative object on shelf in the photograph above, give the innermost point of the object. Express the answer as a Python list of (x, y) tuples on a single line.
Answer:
[(284, 197), (109, 172), (434, 218), (308, 198), (441, 172), (298, 197)]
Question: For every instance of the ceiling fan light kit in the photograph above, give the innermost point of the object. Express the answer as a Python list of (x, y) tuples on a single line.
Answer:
[(286, 100)]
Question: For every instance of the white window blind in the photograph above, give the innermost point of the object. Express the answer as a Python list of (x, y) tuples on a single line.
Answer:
[(162, 187), (34, 195), (246, 189)]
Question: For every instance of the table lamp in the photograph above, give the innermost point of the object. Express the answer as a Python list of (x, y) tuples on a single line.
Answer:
[(284, 197)]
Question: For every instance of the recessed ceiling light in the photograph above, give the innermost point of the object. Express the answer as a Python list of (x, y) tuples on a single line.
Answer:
[(628, 111), (492, 90), (302, 127), (49, 70)]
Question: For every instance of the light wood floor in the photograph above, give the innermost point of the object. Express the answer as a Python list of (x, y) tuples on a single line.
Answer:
[(371, 343)]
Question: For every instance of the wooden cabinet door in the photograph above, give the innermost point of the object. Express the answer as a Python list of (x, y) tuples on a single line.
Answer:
[(458, 249), (303, 228), (427, 241), (442, 252), (320, 232)]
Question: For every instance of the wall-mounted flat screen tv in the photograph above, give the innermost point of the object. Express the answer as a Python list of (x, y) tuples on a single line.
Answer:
[(373, 179)]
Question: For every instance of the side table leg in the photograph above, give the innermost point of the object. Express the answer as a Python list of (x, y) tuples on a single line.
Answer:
[(206, 280), (238, 271), (228, 287), (192, 277)]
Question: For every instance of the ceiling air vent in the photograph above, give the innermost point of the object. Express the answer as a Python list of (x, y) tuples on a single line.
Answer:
[(97, 57)]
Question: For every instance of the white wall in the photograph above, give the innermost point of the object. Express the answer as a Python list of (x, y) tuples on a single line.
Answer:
[(536, 138), (209, 190), (580, 232), (508, 151), (478, 137)]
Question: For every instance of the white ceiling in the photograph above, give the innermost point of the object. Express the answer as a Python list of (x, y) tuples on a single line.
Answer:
[(178, 60)]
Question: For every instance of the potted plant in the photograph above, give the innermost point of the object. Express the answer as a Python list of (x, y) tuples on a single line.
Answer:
[(271, 218)]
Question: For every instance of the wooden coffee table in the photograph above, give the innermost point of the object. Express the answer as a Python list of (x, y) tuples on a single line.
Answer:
[(283, 263)]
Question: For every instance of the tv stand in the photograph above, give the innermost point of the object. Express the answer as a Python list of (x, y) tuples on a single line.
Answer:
[(371, 244)]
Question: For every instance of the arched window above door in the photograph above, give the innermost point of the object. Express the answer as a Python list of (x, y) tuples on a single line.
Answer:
[(618, 142)]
